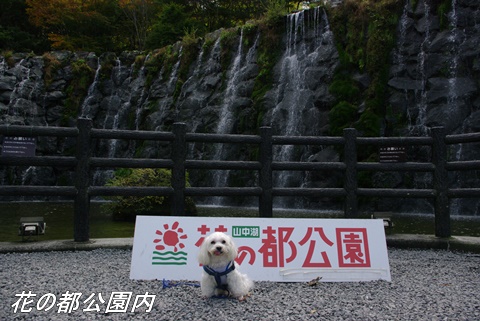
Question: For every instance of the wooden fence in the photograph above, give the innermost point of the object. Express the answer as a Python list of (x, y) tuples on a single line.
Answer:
[(179, 139)]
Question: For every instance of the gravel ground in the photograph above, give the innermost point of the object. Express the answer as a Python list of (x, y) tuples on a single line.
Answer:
[(426, 285)]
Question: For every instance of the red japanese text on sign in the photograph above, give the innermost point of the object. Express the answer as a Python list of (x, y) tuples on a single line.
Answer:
[(352, 246)]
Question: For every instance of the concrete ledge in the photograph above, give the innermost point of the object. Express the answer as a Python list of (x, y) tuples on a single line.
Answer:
[(66, 245), (413, 241), (417, 241)]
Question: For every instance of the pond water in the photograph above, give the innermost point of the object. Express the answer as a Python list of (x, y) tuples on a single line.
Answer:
[(59, 219)]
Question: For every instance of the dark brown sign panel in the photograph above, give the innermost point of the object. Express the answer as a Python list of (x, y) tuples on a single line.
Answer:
[(19, 146), (393, 154)]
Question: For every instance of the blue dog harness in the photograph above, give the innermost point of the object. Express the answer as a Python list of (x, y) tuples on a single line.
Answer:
[(218, 275)]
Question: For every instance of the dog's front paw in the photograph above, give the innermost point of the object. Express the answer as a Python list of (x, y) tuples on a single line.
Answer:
[(243, 297)]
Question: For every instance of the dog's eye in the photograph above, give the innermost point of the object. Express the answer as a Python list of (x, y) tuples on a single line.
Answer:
[(212, 242), (223, 242)]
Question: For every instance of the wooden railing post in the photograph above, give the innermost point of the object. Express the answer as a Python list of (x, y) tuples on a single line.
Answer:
[(81, 228), (265, 175), (350, 184), (179, 153), (440, 182)]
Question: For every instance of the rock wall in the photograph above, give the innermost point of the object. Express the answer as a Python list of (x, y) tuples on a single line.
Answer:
[(435, 70), (433, 81)]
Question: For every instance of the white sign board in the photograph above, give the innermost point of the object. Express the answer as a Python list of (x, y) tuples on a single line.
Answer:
[(270, 249)]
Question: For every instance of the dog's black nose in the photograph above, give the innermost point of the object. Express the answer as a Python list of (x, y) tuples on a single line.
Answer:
[(219, 248)]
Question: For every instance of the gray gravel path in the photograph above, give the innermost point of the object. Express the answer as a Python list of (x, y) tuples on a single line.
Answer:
[(426, 285)]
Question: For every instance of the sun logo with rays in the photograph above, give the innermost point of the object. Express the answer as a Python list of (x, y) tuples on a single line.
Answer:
[(171, 236)]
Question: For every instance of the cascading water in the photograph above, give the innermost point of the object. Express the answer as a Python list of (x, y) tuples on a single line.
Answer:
[(399, 53), (139, 82), (3, 66), (225, 122), (452, 81), (198, 79), (90, 98), (113, 108), (166, 102), (193, 78), (28, 87), (193, 89), (290, 82), (115, 111), (420, 128), (452, 90), (22, 74), (419, 106), (294, 99)]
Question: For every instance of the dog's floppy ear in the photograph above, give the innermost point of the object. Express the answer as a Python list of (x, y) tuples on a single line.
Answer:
[(203, 254), (232, 254)]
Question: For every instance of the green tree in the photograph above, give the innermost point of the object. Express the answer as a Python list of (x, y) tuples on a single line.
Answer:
[(90, 25), (16, 32), (171, 24), (140, 16)]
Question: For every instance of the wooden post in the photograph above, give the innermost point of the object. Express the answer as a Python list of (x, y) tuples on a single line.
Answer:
[(179, 153), (440, 183), (350, 184), (81, 228), (265, 175)]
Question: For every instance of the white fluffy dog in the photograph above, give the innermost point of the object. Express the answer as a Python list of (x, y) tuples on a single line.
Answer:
[(221, 276)]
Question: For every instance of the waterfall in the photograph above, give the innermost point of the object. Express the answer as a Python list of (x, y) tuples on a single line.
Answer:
[(420, 129), (140, 82), (20, 109), (191, 80), (452, 92), (399, 53), (26, 177), (294, 99), (452, 81), (290, 94), (291, 85), (115, 107), (167, 101), (22, 74), (118, 107), (225, 121), (86, 106), (3, 66), (196, 81), (237, 73)]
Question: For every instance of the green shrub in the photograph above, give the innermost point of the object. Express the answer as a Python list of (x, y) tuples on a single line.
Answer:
[(51, 66), (127, 207), (344, 89), (341, 116), (228, 44), (369, 124), (443, 9), (77, 89), (276, 11)]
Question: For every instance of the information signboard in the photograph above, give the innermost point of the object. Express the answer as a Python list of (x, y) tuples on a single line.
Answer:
[(393, 154), (19, 146)]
